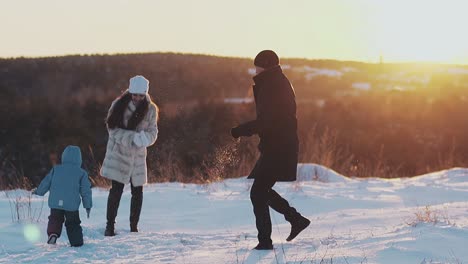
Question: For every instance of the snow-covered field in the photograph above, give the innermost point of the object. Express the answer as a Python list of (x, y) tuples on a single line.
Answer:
[(419, 220)]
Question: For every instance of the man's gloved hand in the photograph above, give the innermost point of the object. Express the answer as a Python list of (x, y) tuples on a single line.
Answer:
[(88, 210), (235, 133), (33, 191)]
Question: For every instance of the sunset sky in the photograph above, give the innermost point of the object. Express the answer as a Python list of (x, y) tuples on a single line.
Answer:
[(362, 30)]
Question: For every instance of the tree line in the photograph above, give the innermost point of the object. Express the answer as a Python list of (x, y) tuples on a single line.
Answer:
[(410, 121)]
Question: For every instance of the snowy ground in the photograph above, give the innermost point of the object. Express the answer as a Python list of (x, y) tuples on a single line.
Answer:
[(353, 221)]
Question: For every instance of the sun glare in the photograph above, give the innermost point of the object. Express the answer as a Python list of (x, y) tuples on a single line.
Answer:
[(422, 30), (363, 30)]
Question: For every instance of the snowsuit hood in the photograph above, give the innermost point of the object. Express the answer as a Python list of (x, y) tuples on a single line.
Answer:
[(72, 155)]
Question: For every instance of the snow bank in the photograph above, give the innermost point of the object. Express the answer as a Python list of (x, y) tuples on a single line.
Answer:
[(368, 220), (315, 172)]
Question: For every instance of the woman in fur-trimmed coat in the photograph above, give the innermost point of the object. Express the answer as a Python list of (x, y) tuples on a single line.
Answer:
[(132, 126)]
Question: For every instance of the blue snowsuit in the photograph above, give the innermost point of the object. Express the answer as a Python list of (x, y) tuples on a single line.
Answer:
[(67, 185)]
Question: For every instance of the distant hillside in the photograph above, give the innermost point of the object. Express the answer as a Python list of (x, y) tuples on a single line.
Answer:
[(360, 119), (186, 77), (172, 76)]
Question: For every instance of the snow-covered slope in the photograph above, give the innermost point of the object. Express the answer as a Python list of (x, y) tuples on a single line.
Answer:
[(418, 220)]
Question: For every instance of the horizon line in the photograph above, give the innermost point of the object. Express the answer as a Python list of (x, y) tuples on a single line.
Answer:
[(230, 56)]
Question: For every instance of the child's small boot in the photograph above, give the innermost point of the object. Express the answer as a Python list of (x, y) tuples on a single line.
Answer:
[(52, 239)]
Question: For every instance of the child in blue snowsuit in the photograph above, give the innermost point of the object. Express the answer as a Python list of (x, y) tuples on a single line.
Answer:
[(67, 184)]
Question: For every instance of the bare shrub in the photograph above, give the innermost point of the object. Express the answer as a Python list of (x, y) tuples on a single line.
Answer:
[(431, 216), (323, 148), (22, 209)]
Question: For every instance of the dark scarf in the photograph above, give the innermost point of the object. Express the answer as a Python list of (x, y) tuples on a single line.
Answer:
[(115, 119), (267, 75)]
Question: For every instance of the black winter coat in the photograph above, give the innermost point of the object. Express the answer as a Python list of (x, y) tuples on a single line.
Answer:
[(276, 125)]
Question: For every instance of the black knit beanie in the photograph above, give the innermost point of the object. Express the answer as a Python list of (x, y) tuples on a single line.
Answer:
[(266, 59)]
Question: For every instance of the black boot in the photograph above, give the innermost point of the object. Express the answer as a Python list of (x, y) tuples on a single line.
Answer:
[(264, 246), (297, 225), (110, 231), (135, 207), (113, 202)]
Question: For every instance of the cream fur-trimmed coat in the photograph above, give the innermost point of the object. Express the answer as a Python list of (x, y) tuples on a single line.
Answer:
[(124, 161)]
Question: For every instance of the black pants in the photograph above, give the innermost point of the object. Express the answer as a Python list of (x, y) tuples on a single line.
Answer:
[(263, 196), (113, 202), (72, 224)]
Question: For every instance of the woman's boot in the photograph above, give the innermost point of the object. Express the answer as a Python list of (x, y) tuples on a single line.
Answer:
[(135, 207), (113, 202)]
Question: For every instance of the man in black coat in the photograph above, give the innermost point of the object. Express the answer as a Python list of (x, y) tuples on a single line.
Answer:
[(276, 125)]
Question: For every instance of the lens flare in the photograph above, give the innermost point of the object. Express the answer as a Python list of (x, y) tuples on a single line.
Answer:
[(31, 233)]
